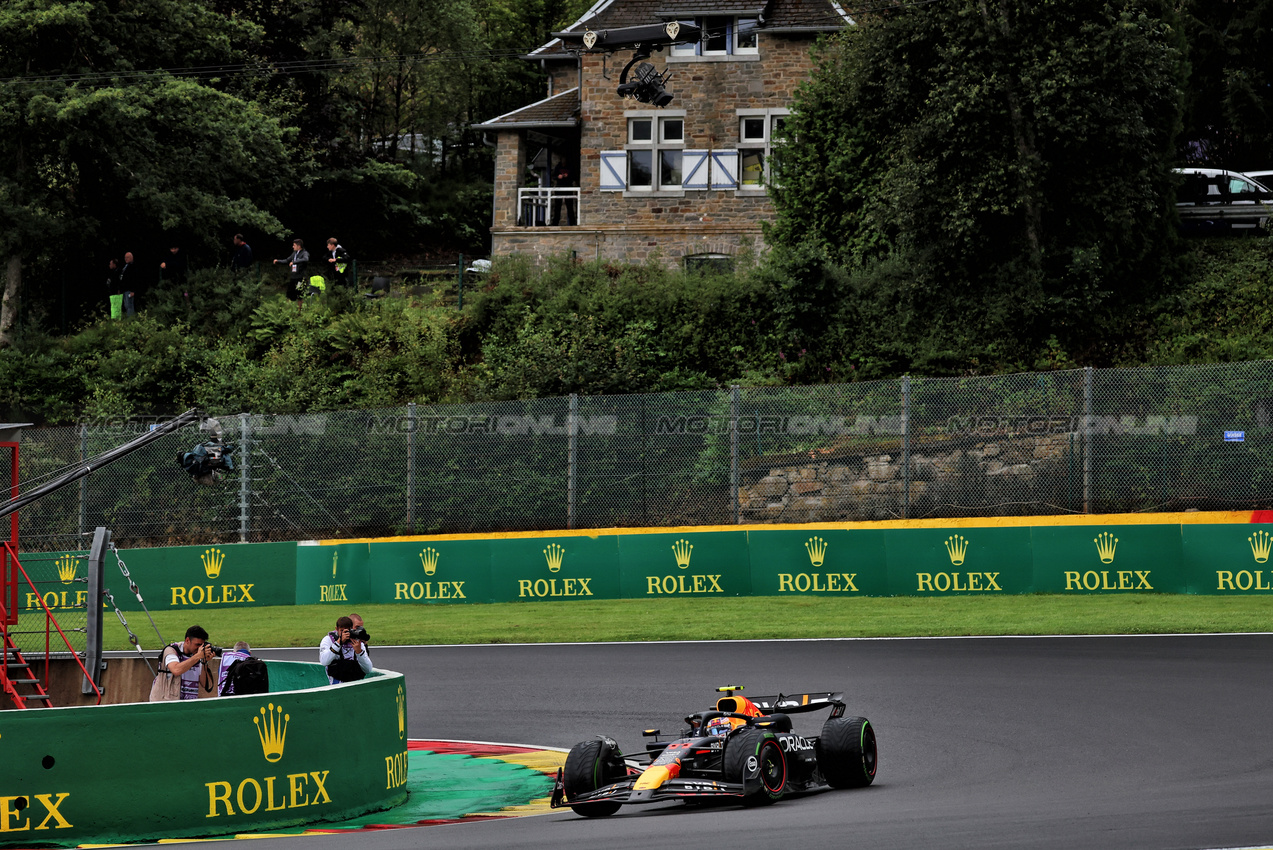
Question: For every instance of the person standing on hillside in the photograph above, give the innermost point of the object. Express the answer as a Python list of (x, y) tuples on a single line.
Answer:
[(337, 262), (241, 259), (128, 284), (297, 263)]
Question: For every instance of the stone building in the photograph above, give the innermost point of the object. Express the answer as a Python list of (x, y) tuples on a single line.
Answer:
[(587, 171)]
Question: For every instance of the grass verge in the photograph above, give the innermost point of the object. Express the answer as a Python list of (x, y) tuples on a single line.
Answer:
[(717, 619)]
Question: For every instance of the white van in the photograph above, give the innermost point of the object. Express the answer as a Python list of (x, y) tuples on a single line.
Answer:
[(1216, 200)]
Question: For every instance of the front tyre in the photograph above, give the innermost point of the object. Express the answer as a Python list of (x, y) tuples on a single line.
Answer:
[(846, 752), (754, 759), (591, 765)]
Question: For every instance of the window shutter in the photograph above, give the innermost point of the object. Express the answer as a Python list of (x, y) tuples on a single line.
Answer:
[(694, 170), (614, 167), (724, 169)]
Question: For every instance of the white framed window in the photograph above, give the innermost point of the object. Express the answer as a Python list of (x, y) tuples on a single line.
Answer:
[(758, 131), (653, 156), (722, 36)]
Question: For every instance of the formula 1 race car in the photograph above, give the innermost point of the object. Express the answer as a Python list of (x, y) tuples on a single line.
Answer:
[(742, 751)]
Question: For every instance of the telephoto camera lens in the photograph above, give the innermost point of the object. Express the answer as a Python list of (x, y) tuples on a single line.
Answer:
[(359, 634)]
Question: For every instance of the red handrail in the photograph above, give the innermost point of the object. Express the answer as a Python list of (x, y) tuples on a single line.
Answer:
[(51, 619)]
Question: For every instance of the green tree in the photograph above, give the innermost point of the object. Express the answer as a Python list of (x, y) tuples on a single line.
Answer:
[(1014, 156), (1229, 99), (99, 145)]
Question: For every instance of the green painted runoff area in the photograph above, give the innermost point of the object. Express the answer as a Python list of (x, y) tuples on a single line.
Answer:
[(445, 786)]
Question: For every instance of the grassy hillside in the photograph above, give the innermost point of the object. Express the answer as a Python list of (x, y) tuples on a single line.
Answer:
[(594, 328)]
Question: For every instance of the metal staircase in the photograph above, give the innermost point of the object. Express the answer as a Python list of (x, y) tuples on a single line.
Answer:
[(17, 677)]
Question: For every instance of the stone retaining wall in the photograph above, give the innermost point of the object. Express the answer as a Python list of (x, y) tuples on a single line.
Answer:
[(874, 486)]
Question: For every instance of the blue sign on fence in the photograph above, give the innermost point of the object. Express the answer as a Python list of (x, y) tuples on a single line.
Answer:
[(1234, 436)]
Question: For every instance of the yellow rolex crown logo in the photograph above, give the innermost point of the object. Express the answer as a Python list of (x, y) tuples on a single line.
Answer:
[(66, 569), (682, 549), (429, 560), (402, 712), (956, 548), (271, 726), (817, 549), (335, 556), (212, 561), (1106, 543), (553, 554), (1260, 543)]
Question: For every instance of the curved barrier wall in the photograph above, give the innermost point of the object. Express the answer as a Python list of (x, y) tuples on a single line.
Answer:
[(299, 754), (1201, 553)]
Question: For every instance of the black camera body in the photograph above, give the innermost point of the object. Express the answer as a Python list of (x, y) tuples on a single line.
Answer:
[(216, 650), (359, 633)]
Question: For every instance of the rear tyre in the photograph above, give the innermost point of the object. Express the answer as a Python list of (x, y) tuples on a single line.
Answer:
[(750, 745), (846, 752), (591, 765)]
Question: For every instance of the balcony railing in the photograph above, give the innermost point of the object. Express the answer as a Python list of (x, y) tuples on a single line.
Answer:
[(548, 207)]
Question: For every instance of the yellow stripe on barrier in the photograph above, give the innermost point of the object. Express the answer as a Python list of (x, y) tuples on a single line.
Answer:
[(1180, 518)]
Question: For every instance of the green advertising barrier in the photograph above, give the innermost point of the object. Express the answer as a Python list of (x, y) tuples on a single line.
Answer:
[(178, 577), (337, 574), (826, 562), (941, 561), (558, 568), (891, 559), (1108, 559), (1224, 559), (144, 771), (687, 563), (447, 572)]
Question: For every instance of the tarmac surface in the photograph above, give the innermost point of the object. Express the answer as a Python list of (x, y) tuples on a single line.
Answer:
[(1102, 742)]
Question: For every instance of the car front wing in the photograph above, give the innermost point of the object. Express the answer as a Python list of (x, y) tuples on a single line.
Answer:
[(672, 789)]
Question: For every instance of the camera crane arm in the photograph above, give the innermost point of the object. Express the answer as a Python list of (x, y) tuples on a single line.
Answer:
[(190, 417)]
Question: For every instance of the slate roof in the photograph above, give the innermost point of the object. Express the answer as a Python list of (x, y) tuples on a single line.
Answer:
[(560, 110), (778, 15)]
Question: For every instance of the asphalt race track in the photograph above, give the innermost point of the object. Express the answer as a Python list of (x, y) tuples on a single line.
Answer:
[(1089, 742)]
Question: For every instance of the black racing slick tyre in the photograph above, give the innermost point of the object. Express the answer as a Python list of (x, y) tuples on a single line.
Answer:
[(591, 765), (749, 751), (846, 752)]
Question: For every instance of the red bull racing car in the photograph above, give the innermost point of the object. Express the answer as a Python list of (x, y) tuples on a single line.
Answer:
[(742, 751)]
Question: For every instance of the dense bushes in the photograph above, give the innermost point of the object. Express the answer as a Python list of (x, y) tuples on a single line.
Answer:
[(232, 344)]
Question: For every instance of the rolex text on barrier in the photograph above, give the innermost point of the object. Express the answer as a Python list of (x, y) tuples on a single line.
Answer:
[(273, 760)]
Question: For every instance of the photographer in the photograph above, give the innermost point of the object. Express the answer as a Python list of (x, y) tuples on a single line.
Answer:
[(183, 667), (344, 653)]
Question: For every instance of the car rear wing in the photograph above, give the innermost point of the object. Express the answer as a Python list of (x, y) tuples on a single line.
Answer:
[(797, 703)]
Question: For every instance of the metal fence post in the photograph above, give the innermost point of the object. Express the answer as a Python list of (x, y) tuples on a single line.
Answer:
[(93, 616), (1087, 440), (411, 466), (245, 475), (906, 446), (459, 282), (572, 437), (733, 452), (84, 480)]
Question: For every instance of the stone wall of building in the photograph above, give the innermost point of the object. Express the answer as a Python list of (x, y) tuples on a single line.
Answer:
[(666, 243), (634, 225), (872, 486)]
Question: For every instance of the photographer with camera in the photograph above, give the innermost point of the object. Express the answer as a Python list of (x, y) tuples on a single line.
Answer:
[(344, 653), (183, 667)]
